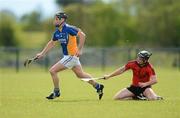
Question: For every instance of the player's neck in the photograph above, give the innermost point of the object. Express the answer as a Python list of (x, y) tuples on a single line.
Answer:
[(61, 26)]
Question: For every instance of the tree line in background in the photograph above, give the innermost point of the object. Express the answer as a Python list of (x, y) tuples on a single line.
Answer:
[(118, 23)]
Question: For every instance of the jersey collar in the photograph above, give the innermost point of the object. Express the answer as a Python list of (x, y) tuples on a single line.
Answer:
[(62, 27), (141, 65)]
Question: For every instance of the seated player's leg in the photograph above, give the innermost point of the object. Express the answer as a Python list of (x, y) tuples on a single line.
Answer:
[(81, 74), (123, 94), (151, 95), (139, 97), (53, 71)]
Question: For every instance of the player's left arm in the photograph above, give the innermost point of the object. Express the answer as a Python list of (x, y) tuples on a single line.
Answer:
[(152, 81), (115, 73), (81, 36)]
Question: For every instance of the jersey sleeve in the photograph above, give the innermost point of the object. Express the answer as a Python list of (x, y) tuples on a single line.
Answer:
[(151, 71), (72, 30), (128, 66)]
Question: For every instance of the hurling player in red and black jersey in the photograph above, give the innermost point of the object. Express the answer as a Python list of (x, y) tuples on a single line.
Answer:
[(143, 78)]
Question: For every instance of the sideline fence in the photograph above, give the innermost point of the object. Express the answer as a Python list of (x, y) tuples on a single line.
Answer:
[(96, 57)]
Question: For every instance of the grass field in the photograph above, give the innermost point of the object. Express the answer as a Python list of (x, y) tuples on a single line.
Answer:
[(22, 95)]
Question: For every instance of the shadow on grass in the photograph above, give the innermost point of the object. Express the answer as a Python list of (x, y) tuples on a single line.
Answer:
[(96, 100), (74, 101)]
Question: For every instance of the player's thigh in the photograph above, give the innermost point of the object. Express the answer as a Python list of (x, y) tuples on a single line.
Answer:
[(150, 94), (124, 93), (57, 67)]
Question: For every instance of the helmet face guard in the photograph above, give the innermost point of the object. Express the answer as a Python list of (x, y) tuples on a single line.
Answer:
[(61, 15), (145, 55)]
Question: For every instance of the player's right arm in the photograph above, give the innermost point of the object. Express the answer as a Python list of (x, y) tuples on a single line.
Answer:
[(48, 46), (115, 73)]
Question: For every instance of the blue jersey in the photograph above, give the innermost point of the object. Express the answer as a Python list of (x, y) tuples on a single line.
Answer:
[(67, 39)]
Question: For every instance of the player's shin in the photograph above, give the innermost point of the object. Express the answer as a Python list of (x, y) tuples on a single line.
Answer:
[(92, 82)]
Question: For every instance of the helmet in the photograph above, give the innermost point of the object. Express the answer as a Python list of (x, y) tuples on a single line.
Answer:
[(61, 15), (144, 54)]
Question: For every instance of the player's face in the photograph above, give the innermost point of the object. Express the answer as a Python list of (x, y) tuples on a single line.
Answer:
[(141, 60), (57, 21)]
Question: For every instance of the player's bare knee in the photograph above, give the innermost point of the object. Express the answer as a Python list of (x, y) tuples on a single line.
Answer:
[(117, 98), (52, 71)]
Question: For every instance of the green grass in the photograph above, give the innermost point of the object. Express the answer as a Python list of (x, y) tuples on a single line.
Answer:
[(22, 95)]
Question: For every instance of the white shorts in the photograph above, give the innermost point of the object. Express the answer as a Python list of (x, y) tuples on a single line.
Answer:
[(70, 61)]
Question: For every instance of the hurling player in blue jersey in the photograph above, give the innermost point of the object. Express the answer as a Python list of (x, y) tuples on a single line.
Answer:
[(67, 35)]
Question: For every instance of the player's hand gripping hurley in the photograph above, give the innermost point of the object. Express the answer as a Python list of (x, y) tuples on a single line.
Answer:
[(29, 61)]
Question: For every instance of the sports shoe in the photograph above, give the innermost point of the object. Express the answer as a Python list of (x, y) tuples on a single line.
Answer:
[(53, 95), (100, 91), (140, 97)]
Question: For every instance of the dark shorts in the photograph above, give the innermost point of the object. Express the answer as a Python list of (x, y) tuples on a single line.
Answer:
[(137, 90)]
